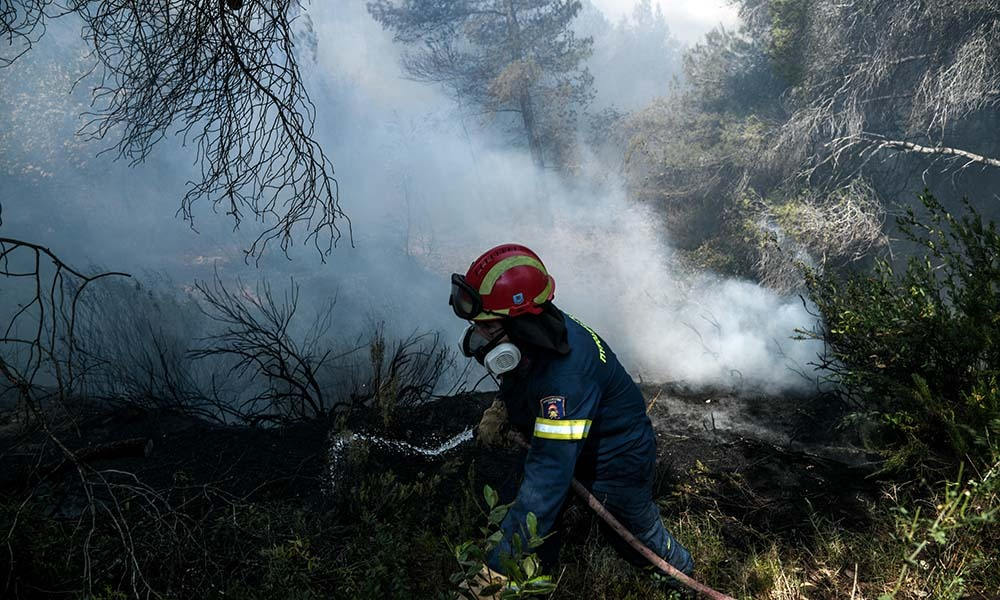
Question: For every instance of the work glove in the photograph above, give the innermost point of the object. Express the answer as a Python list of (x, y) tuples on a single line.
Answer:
[(492, 429), (486, 585)]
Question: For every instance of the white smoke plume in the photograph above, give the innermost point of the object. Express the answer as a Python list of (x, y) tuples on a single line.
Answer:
[(427, 189)]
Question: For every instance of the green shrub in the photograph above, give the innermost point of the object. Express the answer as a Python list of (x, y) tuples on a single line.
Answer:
[(918, 352)]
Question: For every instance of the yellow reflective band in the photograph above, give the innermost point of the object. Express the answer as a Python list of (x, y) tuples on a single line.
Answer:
[(544, 296), (597, 341), (502, 267), (556, 429)]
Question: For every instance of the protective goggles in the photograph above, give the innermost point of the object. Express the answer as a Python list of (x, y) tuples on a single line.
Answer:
[(476, 344), (465, 299)]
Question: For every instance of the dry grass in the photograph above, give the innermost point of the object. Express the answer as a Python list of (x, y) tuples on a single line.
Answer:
[(895, 555)]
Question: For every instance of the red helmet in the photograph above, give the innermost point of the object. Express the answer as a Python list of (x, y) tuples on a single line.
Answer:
[(506, 281)]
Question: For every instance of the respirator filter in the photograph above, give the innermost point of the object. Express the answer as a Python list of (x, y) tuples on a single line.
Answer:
[(505, 357)]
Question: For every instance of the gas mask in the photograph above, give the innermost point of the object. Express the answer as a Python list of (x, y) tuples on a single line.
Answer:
[(498, 357)]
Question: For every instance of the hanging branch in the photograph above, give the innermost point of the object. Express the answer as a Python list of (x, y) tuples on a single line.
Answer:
[(223, 75), (22, 23)]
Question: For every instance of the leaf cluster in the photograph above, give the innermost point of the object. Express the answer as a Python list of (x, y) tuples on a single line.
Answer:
[(918, 350), (522, 567)]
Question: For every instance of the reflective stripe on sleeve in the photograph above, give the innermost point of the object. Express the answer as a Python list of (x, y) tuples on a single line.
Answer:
[(557, 429)]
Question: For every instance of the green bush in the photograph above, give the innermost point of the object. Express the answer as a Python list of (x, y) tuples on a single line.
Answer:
[(918, 352)]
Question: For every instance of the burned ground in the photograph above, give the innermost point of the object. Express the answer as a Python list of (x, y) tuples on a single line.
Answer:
[(768, 462), (164, 447), (762, 466)]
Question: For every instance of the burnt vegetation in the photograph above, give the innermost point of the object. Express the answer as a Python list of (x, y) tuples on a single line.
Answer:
[(130, 463)]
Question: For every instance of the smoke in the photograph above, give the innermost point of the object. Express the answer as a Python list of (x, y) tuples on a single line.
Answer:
[(428, 187), (689, 19)]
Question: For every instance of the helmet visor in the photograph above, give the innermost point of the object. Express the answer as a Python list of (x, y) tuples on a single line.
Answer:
[(464, 300)]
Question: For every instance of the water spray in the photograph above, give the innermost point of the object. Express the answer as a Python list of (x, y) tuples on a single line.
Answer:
[(340, 443)]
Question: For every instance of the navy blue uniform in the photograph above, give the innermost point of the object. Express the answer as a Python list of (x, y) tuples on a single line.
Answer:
[(585, 418)]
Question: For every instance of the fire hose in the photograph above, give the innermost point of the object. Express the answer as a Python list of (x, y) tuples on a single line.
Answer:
[(620, 529)]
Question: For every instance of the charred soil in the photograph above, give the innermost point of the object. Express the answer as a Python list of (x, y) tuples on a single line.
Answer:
[(761, 466)]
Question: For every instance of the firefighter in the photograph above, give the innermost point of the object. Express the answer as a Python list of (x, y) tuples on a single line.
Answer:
[(562, 387)]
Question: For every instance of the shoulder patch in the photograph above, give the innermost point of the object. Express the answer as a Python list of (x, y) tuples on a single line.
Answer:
[(553, 407)]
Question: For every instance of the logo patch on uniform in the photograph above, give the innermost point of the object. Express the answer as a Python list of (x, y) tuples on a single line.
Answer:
[(553, 407), (518, 298)]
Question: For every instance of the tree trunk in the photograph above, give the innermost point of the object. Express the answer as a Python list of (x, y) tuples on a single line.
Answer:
[(524, 97), (528, 116)]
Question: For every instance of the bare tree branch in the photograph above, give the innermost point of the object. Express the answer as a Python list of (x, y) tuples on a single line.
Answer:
[(49, 312), (881, 142), (258, 335), (225, 77)]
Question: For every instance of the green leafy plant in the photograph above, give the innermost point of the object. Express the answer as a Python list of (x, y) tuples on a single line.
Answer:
[(522, 567), (918, 351)]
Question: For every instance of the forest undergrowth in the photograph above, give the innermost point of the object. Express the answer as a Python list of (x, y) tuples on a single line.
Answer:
[(119, 492), (212, 511), (155, 487)]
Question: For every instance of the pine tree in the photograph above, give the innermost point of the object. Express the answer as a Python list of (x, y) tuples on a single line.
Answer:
[(503, 56)]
